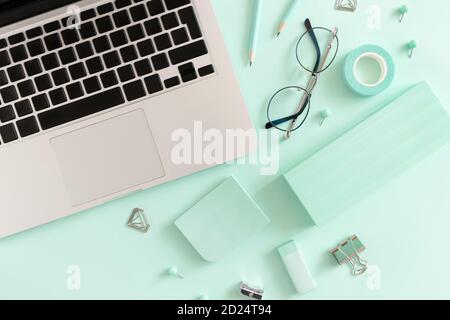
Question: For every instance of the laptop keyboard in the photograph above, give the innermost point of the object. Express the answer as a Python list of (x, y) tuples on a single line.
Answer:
[(121, 51)]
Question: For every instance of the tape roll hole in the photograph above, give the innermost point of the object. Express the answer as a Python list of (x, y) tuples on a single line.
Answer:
[(370, 69)]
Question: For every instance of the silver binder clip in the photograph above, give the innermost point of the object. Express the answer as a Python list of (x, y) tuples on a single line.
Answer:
[(138, 221), (348, 252), (346, 5), (251, 292)]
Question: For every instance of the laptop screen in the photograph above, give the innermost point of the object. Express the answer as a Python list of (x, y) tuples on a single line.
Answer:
[(15, 10)]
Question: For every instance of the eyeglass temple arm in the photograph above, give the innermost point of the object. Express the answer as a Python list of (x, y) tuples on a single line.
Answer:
[(277, 122), (311, 33)]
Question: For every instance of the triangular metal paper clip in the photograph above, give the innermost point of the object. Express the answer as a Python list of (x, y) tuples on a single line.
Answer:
[(138, 220), (346, 5)]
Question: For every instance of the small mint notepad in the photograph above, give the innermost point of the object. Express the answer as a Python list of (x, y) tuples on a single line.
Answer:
[(371, 154), (222, 220)]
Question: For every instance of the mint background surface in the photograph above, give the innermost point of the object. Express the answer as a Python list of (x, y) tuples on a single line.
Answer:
[(404, 225)]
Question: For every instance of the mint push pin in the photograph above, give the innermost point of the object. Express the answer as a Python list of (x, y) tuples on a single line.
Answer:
[(412, 45), (173, 271), (403, 11), (325, 114)]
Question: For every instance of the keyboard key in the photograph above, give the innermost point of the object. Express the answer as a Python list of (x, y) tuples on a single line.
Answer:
[(163, 42), (27, 126), (23, 108), (75, 90), (146, 48), (57, 96), (135, 32), (104, 24), (3, 78), (53, 42), (8, 133), (7, 114), (118, 38), (187, 72), (121, 18), (84, 50), (33, 67), (170, 21), (4, 59), (52, 26), (122, 3), (26, 88), (126, 73), (111, 59), (60, 77), (138, 13), (172, 82), (70, 36), (79, 109), (172, 4), (43, 82), (109, 79), (206, 70), (35, 47), (153, 26), (3, 43), (101, 44), (187, 16), (143, 67), (18, 53), (16, 38), (188, 52), (91, 85), (67, 56), (94, 65), (105, 8), (155, 7), (180, 36), (50, 61), (77, 71), (153, 84), (160, 61), (34, 33), (70, 22), (87, 30), (9, 94), (88, 14), (16, 73), (134, 90), (128, 53), (40, 102)]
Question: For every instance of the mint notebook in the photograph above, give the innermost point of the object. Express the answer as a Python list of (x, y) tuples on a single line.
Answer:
[(221, 221), (372, 153)]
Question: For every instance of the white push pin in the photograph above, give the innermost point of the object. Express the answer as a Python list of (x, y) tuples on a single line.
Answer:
[(173, 271), (325, 114)]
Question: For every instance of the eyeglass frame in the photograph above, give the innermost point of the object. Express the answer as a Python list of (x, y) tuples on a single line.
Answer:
[(318, 69)]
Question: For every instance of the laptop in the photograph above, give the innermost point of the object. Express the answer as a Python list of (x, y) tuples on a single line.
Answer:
[(95, 96)]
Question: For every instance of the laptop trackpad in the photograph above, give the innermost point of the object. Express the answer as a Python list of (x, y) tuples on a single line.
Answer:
[(108, 157)]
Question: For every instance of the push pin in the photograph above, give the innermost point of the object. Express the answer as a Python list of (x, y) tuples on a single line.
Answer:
[(412, 45), (325, 114), (173, 272), (403, 11)]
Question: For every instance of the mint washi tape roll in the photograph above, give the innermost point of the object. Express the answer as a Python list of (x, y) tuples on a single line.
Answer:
[(354, 77)]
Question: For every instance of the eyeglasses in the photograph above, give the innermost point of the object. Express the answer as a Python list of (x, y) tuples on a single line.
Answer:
[(315, 61)]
